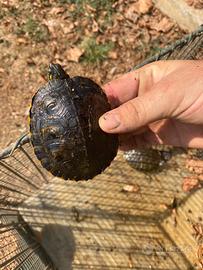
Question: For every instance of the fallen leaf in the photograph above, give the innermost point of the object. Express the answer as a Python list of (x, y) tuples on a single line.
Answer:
[(31, 62), (164, 25), (131, 13), (145, 6), (198, 4), (112, 71), (200, 177), (90, 8), (21, 40), (95, 27), (72, 7), (67, 28), (190, 183), (52, 25), (112, 55), (57, 10), (73, 54), (190, 2)]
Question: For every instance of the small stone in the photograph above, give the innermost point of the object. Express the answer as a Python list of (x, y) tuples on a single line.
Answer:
[(131, 188)]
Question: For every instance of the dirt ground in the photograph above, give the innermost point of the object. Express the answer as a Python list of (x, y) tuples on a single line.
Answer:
[(97, 39), (197, 4)]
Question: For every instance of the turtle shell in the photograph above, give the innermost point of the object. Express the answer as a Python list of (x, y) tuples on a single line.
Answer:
[(64, 128), (146, 159)]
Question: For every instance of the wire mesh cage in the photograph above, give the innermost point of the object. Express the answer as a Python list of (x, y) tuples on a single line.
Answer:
[(122, 219)]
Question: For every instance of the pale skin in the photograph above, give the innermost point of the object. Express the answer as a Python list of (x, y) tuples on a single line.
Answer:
[(160, 103)]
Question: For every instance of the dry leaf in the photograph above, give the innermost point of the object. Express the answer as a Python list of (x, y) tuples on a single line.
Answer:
[(51, 25), (21, 40), (198, 4), (95, 27), (145, 6), (57, 10), (190, 183), (73, 54), (131, 13), (10, 3), (30, 62), (90, 8), (112, 55), (2, 70), (72, 7), (112, 71), (190, 2), (67, 28), (164, 25)]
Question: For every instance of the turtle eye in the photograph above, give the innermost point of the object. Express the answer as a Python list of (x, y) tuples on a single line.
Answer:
[(51, 106)]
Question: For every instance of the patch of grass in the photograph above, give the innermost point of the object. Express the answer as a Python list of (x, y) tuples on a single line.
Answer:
[(13, 11), (98, 5), (35, 30), (102, 4), (38, 32), (94, 52), (46, 3), (154, 48), (2, 13)]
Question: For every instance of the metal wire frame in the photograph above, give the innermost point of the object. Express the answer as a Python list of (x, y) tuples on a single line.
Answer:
[(185, 48), (18, 247)]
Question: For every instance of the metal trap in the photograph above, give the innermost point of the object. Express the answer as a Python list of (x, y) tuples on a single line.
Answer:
[(122, 219)]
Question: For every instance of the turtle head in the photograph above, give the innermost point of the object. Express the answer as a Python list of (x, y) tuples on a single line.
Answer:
[(56, 72)]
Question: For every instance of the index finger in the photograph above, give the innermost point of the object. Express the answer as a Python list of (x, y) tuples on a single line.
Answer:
[(137, 81), (122, 89)]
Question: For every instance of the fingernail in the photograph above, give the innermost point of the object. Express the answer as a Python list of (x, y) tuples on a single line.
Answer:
[(109, 121)]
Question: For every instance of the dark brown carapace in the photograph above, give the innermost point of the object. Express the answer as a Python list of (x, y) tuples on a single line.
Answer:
[(64, 126)]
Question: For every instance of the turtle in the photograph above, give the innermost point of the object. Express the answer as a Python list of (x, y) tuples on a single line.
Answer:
[(64, 128)]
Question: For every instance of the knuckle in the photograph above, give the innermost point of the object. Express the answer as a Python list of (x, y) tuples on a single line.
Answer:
[(135, 112), (138, 110)]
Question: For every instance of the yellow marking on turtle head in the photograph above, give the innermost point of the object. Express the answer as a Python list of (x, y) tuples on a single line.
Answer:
[(29, 119)]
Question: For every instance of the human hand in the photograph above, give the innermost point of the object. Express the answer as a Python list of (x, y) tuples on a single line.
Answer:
[(160, 103)]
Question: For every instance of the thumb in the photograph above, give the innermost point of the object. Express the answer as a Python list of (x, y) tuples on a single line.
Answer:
[(138, 112)]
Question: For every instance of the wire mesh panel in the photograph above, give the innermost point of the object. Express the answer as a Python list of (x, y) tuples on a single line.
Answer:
[(111, 222), (20, 177), (122, 219), (115, 221), (18, 248)]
